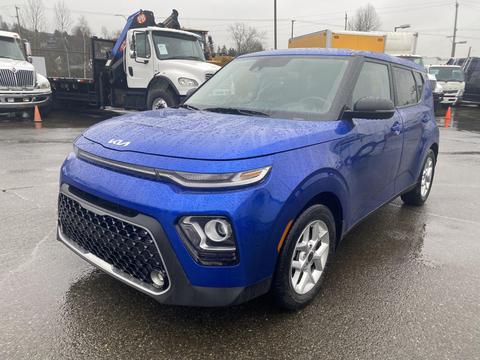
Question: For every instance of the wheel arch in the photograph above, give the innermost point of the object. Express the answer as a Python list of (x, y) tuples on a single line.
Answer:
[(434, 148), (328, 188), (162, 82)]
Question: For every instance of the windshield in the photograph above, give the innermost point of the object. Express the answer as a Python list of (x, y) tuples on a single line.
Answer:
[(447, 73), (278, 86), (177, 46), (10, 48)]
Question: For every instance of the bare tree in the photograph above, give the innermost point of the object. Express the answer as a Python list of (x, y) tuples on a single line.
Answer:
[(84, 29), (35, 18), (64, 23), (246, 39), (365, 19)]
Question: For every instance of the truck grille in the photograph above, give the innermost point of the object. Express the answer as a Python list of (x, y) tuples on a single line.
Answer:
[(208, 76), (129, 248), (20, 79)]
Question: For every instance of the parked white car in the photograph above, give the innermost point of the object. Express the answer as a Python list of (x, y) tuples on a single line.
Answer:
[(21, 87), (452, 80)]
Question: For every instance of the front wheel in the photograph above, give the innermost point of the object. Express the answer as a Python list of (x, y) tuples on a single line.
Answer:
[(304, 258), (419, 194), (161, 99)]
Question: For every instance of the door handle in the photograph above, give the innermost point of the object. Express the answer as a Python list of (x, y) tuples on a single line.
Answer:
[(396, 128)]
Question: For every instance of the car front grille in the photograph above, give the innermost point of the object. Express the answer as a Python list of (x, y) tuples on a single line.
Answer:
[(129, 248), (19, 79)]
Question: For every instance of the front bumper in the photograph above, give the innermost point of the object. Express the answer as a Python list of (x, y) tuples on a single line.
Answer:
[(179, 291), (451, 98), (21, 100)]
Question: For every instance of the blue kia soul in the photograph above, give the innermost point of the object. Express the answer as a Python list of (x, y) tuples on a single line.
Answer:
[(251, 184)]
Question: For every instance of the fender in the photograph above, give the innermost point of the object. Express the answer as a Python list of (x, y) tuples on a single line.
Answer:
[(324, 181)]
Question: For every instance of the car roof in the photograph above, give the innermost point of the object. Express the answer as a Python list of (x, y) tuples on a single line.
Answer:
[(337, 52), (158, 28), (445, 66), (9, 34)]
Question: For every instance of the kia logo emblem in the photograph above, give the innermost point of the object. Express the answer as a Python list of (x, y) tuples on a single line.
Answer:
[(119, 142)]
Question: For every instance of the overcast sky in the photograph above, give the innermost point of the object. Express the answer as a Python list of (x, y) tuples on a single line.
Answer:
[(432, 19)]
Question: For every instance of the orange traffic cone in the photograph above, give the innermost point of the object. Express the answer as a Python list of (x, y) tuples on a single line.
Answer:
[(448, 117), (36, 115)]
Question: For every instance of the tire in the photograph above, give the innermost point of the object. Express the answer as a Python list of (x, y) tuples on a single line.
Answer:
[(417, 197), (287, 279), (166, 95)]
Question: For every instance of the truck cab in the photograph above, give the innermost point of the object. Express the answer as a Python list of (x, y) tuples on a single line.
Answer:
[(452, 80), (165, 64), (21, 87)]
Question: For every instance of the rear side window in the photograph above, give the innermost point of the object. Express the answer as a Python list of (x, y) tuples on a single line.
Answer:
[(420, 84), (373, 81), (405, 87)]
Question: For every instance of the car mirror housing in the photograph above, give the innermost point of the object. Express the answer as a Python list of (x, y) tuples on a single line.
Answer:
[(371, 108)]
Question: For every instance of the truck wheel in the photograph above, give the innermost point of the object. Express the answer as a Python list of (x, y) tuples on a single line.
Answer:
[(305, 258), (160, 99), (419, 194)]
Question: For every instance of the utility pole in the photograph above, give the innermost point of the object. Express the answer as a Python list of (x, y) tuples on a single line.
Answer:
[(293, 22), (275, 24), (346, 20), (454, 43), (18, 20)]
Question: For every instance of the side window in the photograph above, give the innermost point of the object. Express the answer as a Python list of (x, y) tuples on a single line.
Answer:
[(373, 81), (420, 82), (142, 46), (405, 87)]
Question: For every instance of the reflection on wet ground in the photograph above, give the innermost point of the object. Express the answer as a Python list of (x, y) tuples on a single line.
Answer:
[(405, 283)]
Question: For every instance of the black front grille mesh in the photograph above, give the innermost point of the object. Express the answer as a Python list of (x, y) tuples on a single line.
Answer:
[(127, 247)]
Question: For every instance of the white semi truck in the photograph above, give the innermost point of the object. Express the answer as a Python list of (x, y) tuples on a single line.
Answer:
[(21, 87)]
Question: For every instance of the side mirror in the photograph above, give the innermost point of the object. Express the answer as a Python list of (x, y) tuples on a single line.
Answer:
[(371, 108), (28, 50), (132, 54)]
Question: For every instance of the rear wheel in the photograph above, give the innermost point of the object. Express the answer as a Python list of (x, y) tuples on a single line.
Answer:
[(161, 99), (419, 194), (305, 258)]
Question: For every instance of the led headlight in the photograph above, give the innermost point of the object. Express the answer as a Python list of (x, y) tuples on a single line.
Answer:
[(209, 239), (220, 180), (187, 82)]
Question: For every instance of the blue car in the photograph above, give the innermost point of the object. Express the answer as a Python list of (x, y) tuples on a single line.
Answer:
[(251, 184)]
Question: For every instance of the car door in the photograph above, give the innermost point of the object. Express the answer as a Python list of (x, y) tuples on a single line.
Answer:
[(377, 144), (140, 67), (414, 114)]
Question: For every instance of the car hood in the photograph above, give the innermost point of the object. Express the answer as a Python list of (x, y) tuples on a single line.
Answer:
[(183, 133)]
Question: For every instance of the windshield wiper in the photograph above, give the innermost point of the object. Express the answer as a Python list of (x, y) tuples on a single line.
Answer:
[(189, 107), (227, 110)]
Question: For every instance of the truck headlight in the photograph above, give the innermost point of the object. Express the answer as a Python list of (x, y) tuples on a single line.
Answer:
[(209, 239), (44, 85), (187, 82)]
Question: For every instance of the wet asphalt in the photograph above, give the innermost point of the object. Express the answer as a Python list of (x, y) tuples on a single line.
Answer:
[(405, 283)]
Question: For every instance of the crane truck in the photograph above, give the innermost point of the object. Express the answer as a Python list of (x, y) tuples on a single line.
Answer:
[(149, 66)]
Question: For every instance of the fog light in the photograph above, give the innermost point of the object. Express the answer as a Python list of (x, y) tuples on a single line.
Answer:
[(157, 278)]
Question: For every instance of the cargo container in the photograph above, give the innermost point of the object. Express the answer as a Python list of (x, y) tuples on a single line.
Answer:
[(355, 40)]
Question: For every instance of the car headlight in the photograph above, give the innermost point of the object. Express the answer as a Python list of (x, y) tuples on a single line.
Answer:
[(187, 82), (221, 180), (209, 239), (185, 179)]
